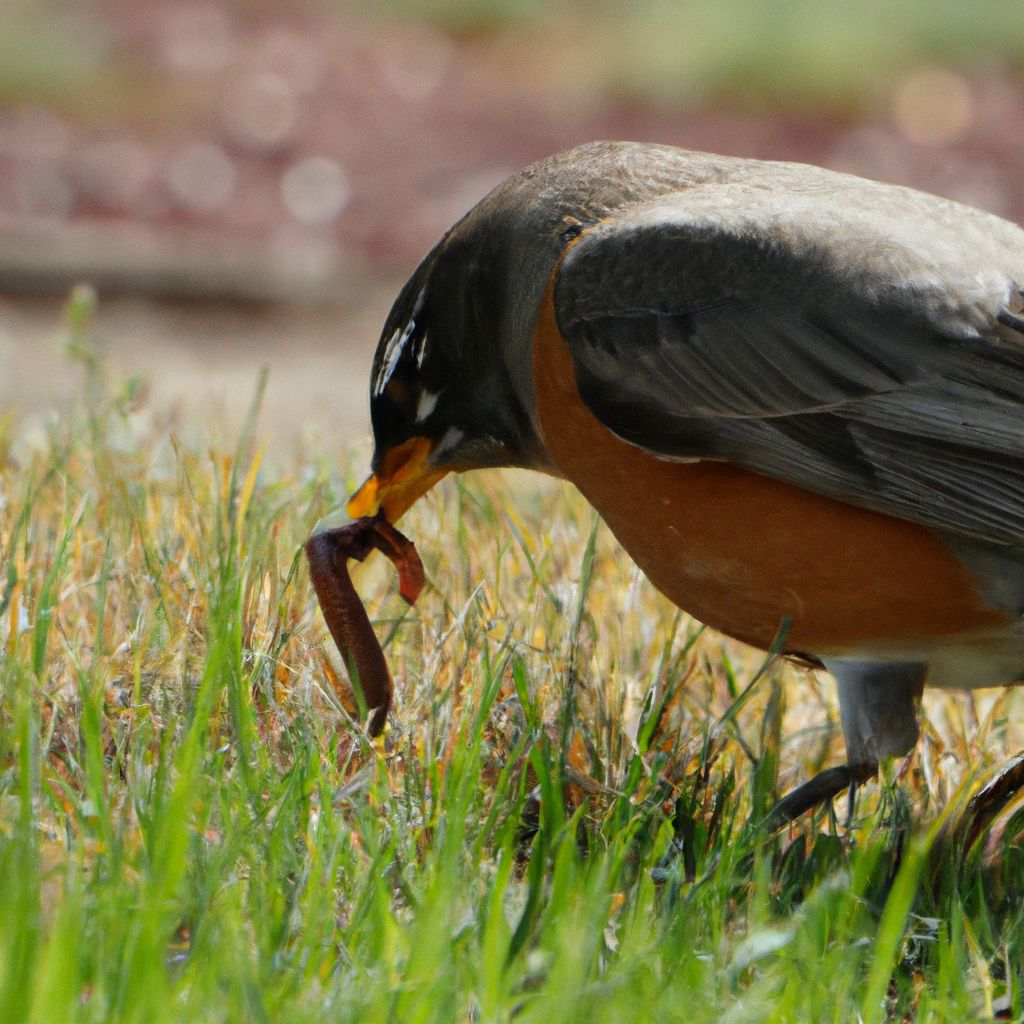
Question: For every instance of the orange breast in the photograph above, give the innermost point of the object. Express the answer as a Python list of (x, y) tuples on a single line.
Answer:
[(741, 551)]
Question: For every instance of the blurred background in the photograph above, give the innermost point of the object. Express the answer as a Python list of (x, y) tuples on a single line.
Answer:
[(248, 182)]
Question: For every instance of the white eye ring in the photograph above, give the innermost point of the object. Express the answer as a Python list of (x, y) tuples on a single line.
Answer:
[(427, 403)]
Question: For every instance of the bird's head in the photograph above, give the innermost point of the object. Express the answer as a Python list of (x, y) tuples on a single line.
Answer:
[(451, 384), (452, 380)]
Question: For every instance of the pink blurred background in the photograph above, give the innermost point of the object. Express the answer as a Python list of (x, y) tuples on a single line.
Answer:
[(248, 183)]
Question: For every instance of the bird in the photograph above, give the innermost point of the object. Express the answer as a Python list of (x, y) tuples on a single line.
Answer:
[(794, 395)]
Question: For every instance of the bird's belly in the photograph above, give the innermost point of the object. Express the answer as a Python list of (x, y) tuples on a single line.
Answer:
[(743, 552)]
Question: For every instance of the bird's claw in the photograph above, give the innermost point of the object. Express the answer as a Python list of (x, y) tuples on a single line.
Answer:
[(824, 786)]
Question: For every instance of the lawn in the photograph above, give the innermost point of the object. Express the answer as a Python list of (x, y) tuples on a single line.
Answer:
[(564, 821)]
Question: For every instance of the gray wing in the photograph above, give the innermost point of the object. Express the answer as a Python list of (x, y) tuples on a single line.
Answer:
[(858, 340)]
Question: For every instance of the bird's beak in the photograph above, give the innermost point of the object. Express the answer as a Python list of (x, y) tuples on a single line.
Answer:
[(403, 476)]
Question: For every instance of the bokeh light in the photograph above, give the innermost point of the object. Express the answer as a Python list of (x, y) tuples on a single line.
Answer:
[(304, 156), (934, 106), (201, 176)]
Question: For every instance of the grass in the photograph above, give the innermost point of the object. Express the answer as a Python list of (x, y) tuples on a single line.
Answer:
[(563, 822)]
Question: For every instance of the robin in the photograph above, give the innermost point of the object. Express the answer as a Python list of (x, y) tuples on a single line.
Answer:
[(795, 396)]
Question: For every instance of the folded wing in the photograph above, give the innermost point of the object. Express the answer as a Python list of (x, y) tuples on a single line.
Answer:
[(857, 340)]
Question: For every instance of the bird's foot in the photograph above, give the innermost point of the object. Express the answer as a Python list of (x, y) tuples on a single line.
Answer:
[(823, 787)]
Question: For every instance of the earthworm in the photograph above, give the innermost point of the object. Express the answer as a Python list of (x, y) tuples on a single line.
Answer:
[(328, 553)]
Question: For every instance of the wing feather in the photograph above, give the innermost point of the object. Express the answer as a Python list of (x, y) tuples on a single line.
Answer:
[(857, 340)]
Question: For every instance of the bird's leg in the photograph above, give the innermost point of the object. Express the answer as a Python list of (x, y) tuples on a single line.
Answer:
[(878, 711), (877, 706)]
